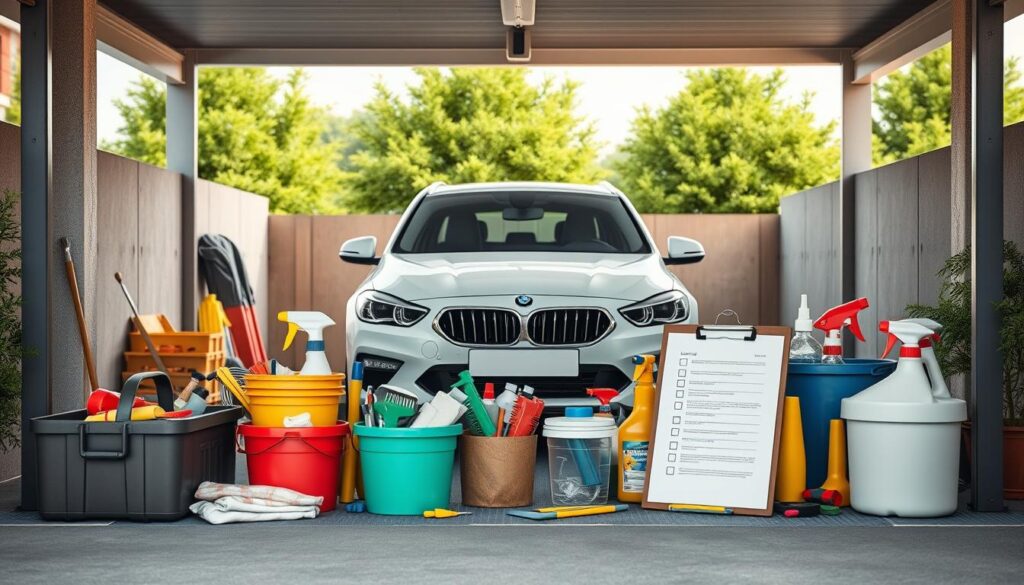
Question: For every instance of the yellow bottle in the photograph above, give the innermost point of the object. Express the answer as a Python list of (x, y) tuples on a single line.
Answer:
[(635, 432)]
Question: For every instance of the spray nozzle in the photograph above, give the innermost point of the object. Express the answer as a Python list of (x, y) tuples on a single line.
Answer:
[(803, 316), (312, 322), (843, 315), (603, 395), (926, 341), (909, 333), (644, 370)]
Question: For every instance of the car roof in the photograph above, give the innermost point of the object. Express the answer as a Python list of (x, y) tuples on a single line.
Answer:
[(601, 189)]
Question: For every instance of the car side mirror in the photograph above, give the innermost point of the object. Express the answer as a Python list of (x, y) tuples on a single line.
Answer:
[(360, 250), (683, 251)]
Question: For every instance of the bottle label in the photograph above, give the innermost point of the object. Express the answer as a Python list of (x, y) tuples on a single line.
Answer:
[(634, 465)]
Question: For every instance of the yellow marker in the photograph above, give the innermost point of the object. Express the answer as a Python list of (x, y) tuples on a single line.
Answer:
[(699, 509), (564, 508), (442, 513)]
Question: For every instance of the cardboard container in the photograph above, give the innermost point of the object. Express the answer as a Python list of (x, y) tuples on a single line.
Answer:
[(497, 472)]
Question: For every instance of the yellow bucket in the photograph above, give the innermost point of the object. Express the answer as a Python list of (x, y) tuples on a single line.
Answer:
[(270, 411), (269, 399), (294, 383)]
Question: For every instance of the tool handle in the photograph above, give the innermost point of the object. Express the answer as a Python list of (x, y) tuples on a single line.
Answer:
[(149, 344), (590, 511), (83, 331), (164, 393)]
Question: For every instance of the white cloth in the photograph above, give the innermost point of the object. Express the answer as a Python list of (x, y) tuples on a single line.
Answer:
[(227, 503), (229, 509)]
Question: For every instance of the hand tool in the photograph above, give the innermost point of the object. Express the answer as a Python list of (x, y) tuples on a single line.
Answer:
[(138, 325), (349, 462), (591, 511), (699, 509), (478, 422), (443, 513), (395, 404), (525, 417), (823, 496), (83, 330)]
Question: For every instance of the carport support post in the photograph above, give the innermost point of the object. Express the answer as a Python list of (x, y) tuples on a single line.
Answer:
[(987, 258), (855, 158), (183, 158), (59, 185)]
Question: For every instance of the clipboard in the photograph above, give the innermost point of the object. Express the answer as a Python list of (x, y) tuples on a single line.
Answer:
[(709, 333)]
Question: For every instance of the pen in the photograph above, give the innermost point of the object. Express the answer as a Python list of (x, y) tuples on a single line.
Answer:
[(699, 509)]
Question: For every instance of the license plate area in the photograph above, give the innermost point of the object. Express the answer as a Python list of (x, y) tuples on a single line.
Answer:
[(525, 363)]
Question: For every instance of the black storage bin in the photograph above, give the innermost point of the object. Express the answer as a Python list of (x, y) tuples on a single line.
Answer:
[(135, 470)]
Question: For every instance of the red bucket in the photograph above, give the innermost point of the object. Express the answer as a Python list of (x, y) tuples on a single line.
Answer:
[(306, 460)]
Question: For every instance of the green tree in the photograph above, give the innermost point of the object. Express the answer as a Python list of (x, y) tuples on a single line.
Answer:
[(11, 350), (464, 125), (13, 113), (913, 106), (726, 143), (256, 133)]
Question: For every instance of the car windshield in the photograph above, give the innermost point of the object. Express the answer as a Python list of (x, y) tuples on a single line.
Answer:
[(531, 221)]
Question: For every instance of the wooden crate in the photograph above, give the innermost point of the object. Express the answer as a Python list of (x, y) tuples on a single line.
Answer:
[(141, 361), (179, 342)]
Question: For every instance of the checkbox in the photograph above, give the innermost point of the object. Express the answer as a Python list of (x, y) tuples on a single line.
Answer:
[(672, 457), (676, 420), (670, 471), (674, 432), (680, 383), (682, 373), (673, 445), (683, 361), (680, 393), (679, 406)]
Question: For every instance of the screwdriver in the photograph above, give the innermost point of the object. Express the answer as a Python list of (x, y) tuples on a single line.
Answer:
[(442, 513)]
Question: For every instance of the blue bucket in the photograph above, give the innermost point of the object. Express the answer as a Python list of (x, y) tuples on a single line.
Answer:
[(821, 389)]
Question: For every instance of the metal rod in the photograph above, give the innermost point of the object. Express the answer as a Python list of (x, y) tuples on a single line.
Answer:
[(142, 328)]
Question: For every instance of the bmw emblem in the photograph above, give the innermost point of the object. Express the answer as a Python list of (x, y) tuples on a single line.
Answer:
[(524, 301)]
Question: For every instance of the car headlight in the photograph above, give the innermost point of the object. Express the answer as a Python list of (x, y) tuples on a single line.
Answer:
[(377, 307), (668, 307)]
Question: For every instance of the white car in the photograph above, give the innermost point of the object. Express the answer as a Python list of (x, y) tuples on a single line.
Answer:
[(552, 285)]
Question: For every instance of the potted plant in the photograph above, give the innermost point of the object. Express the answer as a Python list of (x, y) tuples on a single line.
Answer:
[(10, 323), (954, 351)]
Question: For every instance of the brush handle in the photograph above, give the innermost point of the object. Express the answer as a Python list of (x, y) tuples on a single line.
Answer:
[(83, 331)]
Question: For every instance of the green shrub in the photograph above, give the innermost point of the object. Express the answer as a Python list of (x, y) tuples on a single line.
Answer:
[(10, 323), (954, 312)]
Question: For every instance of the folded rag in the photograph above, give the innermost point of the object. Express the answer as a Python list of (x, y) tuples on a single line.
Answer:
[(263, 495), (230, 509), (222, 503)]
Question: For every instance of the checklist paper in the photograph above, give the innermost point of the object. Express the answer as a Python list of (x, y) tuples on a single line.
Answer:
[(718, 411)]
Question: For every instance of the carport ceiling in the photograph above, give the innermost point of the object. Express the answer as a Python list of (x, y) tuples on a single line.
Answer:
[(476, 24)]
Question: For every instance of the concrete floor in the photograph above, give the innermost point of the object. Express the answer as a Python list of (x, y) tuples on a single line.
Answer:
[(542, 554)]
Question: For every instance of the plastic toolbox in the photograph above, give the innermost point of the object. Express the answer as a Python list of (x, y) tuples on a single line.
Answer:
[(148, 390), (135, 470)]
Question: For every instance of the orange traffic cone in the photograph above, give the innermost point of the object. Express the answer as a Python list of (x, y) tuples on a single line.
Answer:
[(791, 478), (837, 479)]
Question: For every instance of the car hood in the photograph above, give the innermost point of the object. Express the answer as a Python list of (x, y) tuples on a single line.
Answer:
[(630, 277)]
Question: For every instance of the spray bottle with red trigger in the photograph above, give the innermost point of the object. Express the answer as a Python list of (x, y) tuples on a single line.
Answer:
[(931, 363), (832, 322)]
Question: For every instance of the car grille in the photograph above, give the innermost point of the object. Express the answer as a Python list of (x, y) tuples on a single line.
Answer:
[(568, 326), (480, 326)]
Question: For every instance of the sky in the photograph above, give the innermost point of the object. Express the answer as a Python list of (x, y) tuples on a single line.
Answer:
[(608, 96)]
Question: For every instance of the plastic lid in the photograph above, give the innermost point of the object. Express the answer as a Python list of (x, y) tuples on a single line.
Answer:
[(580, 427), (803, 317), (579, 411), (489, 391), (903, 397)]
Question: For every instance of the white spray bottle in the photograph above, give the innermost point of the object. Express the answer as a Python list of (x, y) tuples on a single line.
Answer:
[(908, 383), (313, 323), (931, 363), (804, 348)]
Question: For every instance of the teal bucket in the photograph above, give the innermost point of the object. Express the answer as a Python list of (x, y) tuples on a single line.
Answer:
[(821, 389), (407, 471)]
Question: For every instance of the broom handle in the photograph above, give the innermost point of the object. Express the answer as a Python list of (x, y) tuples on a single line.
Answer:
[(142, 329), (83, 331)]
